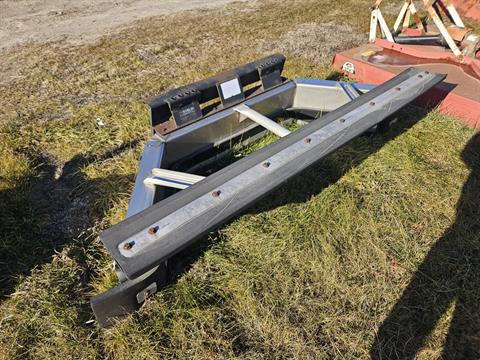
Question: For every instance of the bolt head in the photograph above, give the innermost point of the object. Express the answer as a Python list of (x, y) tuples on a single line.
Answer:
[(129, 245), (153, 230)]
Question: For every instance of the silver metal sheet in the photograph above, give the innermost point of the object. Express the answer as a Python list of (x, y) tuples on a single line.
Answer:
[(143, 195)]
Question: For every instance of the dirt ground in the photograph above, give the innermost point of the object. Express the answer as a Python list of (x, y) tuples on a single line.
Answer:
[(80, 21)]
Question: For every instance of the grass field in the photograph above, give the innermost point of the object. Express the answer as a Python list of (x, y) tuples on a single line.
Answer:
[(374, 252)]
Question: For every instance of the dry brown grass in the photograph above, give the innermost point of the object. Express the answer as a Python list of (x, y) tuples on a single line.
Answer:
[(315, 42)]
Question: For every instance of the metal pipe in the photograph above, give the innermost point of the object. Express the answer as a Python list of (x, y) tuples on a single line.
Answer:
[(174, 179), (420, 39), (262, 120)]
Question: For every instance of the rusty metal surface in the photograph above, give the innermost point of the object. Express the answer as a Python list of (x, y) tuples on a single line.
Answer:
[(387, 57)]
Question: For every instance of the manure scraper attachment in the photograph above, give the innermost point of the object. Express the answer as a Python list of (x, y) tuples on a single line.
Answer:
[(442, 44), (176, 200)]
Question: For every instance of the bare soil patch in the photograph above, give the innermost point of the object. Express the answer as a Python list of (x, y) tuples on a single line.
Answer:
[(80, 21)]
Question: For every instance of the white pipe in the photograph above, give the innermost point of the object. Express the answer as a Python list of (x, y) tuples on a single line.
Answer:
[(261, 120), (174, 179)]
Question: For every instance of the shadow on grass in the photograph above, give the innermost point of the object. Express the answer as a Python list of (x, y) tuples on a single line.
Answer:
[(337, 76), (449, 276), (46, 212)]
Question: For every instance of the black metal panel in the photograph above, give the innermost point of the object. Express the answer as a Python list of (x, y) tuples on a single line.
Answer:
[(183, 104), (122, 300)]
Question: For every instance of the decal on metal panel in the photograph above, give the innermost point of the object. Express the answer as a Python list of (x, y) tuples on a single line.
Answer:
[(349, 67)]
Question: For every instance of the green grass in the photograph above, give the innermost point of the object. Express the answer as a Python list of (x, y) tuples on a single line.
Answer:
[(375, 249)]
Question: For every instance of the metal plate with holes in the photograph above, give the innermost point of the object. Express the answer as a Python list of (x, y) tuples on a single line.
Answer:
[(182, 106)]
